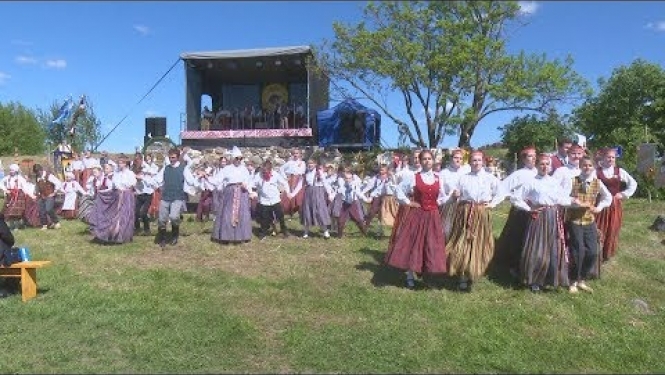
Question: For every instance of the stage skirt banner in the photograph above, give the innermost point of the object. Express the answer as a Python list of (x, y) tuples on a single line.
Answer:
[(257, 133)]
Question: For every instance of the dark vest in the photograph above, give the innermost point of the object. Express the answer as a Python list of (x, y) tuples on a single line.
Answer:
[(613, 183), (174, 180), (425, 194)]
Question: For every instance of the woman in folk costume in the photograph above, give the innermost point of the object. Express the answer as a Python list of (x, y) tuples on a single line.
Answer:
[(509, 244), (381, 190), (471, 243), (418, 244), (314, 210), (351, 205), (450, 176), (233, 222), (88, 163), (581, 226), (113, 212), (294, 171), (544, 258), (71, 188), (87, 201), (16, 190), (610, 220)]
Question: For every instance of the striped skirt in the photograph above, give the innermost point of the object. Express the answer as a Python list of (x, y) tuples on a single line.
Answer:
[(314, 210), (389, 208), (233, 222), (544, 254), (609, 223), (85, 208), (471, 244), (112, 216), (511, 241), (447, 212)]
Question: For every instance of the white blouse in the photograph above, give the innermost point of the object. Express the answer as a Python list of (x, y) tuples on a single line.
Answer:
[(542, 191), (407, 185), (479, 187)]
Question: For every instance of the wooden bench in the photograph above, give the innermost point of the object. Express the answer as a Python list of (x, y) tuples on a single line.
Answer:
[(27, 271)]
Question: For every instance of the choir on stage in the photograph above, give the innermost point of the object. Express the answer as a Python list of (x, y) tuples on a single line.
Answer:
[(562, 226)]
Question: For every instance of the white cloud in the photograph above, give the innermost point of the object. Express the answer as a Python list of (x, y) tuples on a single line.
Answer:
[(142, 29), (25, 60), (4, 77), (19, 42), (56, 64), (658, 26), (528, 7)]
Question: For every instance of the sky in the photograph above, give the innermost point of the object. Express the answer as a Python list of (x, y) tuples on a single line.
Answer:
[(114, 52)]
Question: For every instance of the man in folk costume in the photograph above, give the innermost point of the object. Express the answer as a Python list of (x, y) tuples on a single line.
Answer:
[(417, 244), (16, 189), (233, 223), (314, 210), (560, 158), (46, 186), (115, 207), (544, 258), (294, 171), (609, 221), (144, 189), (172, 179), (509, 244), (71, 188), (381, 190), (565, 175), (581, 225), (471, 244), (450, 175), (267, 185)]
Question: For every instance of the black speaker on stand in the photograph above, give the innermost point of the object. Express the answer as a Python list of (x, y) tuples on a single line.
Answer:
[(154, 127)]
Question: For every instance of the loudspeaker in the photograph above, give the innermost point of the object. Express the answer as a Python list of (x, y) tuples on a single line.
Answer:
[(156, 126)]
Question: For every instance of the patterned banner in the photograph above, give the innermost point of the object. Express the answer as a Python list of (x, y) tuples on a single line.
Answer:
[(258, 133)]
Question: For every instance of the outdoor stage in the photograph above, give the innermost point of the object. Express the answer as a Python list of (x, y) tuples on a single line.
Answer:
[(247, 138)]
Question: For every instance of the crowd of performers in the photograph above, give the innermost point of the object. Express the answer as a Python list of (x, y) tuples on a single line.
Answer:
[(565, 216)]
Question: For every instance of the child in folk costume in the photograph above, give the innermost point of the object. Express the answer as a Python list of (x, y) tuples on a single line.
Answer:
[(205, 199), (509, 244), (418, 244), (351, 205), (471, 244), (294, 171), (268, 186), (544, 259), (610, 220), (381, 190), (71, 188), (314, 209), (581, 227), (233, 222), (46, 186), (16, 190), (450, 175)]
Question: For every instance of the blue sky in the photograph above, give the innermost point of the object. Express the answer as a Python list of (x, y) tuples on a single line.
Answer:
[(115, 51)]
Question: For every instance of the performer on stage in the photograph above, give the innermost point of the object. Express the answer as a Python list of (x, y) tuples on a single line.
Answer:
[(471, 243), (46, 186), (450, 176), (172, 179), (610, 220), (16, 190), (509, 244), (233, 223), (71, 188), (418, 244), (544, 258), (267, 185), (294, 171), (581, 226), (314, 210)]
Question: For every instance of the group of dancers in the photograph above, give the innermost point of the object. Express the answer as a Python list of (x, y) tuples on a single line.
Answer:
[(564, 207)]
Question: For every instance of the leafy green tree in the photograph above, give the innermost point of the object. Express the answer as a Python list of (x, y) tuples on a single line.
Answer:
[(20, 130), (628, 109), (87, 128), (448, 61), (532, 130)]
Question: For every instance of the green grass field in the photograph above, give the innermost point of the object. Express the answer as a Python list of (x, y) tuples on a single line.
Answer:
[(315, 305)]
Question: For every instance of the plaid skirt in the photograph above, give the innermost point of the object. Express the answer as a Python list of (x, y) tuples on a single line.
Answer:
[(14, 207)]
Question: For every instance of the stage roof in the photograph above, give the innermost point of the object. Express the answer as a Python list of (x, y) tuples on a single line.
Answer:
[(285, 64)]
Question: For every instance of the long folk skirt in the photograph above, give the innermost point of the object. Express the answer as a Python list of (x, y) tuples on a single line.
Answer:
[(233, 222), (609, 223), (153, 210), (31, 214), (418, 244), (471, 244), (86, 203), (544, 255), (112, 216), (511, 241), (447, 212), (314, 210), (389, 208), (293, 205), (14, 207)]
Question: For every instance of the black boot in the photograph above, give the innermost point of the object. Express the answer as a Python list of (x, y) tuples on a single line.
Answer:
[(146, 227), (175, 233), (160, 238)]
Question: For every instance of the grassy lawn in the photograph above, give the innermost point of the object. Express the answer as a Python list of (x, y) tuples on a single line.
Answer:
[(320, 305)]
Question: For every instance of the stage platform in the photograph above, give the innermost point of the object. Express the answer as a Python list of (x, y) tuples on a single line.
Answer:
[(247, 138)]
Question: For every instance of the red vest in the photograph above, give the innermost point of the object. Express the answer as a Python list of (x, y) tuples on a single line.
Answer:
[(426, 195), (613, 184)]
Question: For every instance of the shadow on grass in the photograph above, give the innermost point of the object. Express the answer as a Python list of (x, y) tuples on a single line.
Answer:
[(498, 271)]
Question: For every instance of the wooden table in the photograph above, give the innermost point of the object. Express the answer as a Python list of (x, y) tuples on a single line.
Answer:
[(27, 271)]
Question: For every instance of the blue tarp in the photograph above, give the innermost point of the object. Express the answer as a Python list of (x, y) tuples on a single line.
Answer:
[(349, 124)]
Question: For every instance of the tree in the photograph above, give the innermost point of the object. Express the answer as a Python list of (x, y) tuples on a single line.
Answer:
[(446, 59), (532, 130), (628, 109), (20, 130), (87, 129)]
